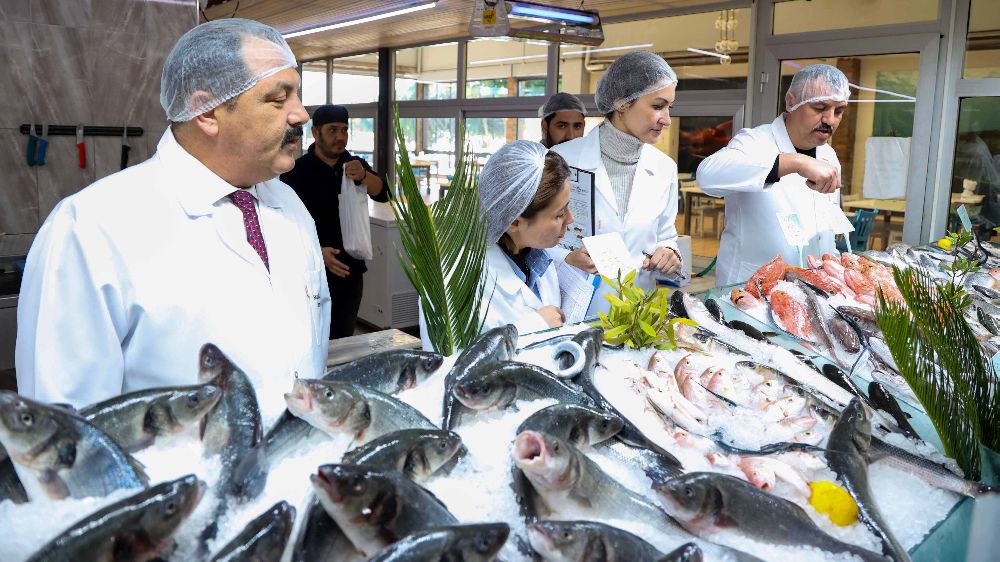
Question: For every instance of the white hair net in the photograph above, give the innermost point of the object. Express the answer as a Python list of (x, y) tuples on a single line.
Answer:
[(508, 183), (563, 101), (219, 60), (817, 82), (630, 77)]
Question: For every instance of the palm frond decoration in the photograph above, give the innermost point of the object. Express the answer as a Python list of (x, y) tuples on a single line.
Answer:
[(444, 250), (939, 357)]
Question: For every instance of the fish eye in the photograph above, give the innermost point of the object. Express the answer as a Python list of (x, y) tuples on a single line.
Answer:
[(27, 418), (485, 389), (567, 535), (193, 399), (555, 447), (604, 425), (328, 394), (170, 508), (688, 491)]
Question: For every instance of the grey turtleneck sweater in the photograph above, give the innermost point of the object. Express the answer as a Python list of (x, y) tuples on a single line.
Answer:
[(620, 154)]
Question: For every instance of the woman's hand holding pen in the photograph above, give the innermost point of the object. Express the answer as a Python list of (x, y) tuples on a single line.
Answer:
[(664, 260), (580, 259)]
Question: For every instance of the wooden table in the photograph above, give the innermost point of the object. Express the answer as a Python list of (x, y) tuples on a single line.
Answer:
[(355, 347), (898, 206), (690, 192)]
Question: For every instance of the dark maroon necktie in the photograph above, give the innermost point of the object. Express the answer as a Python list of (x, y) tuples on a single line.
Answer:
[(245, 201)]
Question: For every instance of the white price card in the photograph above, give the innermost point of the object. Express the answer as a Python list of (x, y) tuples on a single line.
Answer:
[(611, 255), (791, 227)]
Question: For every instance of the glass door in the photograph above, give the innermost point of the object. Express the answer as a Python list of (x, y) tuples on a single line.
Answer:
[(883, 141)]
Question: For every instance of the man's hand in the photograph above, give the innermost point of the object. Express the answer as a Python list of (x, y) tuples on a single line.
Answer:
[(553, 315), (334, 265), (664, 260), (580, 259), (820, 176), (354, 170)]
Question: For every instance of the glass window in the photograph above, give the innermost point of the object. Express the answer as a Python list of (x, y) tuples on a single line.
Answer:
[(430, 145), (314, 83), (726, 31), (485, 135), (495, 67), (355, 79), (823, 15), (531, 87), (982, 48), (427, 73), (873, 138), (975, 180)]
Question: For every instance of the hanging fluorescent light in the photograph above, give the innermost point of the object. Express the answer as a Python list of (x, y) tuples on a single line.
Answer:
[(530, 10), (386, 12), (528, 57), (709, 53)]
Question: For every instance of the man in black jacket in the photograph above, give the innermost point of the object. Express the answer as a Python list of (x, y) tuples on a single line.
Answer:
[(316, 178)]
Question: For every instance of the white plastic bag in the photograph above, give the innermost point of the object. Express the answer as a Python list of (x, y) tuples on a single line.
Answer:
[(354, 225)]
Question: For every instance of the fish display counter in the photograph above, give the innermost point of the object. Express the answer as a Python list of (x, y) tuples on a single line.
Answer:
[(824, 315), (550, 445)]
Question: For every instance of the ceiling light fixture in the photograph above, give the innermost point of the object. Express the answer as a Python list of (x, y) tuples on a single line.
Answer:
[(530, 10), (561, 55), (389, 11)]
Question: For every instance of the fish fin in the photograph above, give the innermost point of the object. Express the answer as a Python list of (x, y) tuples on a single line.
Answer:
[(583, 500), (139, 468), (725, 521), (54, 486), (687, 552)]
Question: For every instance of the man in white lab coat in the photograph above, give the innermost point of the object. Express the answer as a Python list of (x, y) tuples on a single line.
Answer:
[(780, 176), (128, 278)]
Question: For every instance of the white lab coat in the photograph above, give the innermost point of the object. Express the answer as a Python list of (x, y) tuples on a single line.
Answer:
[(128, 278), (649, 221), (510, 300), (753, 235)]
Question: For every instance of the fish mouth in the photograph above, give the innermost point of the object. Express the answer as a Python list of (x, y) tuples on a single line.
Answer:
[(668, 500), (529, 450), (323, 481), (540, 541)]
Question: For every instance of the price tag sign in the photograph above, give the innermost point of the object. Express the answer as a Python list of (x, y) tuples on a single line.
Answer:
[(489, 16), (963, 215), (791, 227)]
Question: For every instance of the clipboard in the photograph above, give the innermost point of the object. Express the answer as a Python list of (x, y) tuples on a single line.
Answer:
[(581, 204)]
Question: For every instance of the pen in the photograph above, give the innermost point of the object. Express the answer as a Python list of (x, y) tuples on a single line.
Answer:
[(679, 273)]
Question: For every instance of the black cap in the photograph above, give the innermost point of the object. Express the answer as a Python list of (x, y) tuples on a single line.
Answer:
[(329, 114)]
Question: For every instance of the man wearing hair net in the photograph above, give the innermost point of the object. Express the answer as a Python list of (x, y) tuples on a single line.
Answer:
[(317, 179), (780, 173), (130, 277), (562, 119)]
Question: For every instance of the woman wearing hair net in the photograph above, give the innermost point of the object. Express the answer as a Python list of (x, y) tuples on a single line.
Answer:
[(783, 171), (636, 183), (524, 193)]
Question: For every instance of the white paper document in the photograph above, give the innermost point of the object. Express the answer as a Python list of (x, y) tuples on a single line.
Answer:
[(611, 255), (581, 204), (576, 291)]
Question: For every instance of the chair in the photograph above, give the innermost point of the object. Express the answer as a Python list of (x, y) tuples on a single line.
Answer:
[(703, 208), (862, 221)]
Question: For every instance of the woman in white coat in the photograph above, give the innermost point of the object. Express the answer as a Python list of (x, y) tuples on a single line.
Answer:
[(524, 193), (636, 183)]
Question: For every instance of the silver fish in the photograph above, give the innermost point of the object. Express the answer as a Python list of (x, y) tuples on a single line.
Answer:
[(415, 453), (138, 527), (466, 543), (376, 508), (263, 539), (58, 454), (136, 419), (847, 453), (339, 408), (707, 502), (590, 541), (498, 344)]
